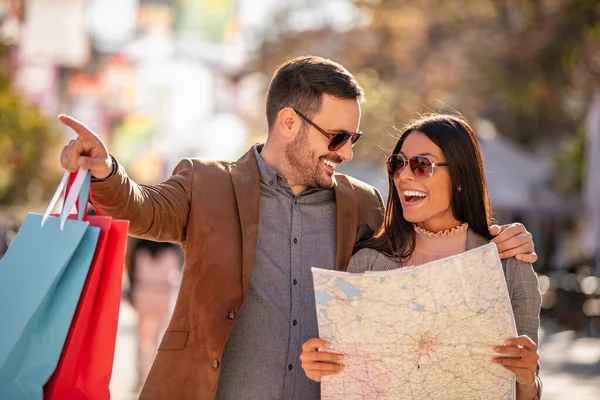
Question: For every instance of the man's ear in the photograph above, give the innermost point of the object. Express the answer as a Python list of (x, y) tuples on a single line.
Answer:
[(287, 121)]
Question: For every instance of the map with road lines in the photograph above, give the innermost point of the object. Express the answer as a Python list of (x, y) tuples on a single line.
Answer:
[(424, 332)]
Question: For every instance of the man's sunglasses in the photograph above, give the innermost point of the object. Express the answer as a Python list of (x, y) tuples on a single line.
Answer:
[(336, 140), (420, 166)]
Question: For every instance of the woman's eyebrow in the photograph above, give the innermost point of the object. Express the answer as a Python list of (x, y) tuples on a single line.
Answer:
[(421, 154), (429, 154)]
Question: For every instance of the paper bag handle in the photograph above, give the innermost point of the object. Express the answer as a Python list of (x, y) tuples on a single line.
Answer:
[(81, 206), (80, 188)]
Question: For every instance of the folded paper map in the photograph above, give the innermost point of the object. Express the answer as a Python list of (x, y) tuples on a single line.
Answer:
[(424, 332)]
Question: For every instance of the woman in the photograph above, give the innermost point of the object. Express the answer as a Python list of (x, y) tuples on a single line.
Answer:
[(438, 206), (155, 275)]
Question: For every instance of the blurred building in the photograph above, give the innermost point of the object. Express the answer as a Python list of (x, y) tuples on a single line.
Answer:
[(592, 184), (158, 79)]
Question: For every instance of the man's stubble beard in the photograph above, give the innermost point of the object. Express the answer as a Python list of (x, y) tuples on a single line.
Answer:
[(301, 161)]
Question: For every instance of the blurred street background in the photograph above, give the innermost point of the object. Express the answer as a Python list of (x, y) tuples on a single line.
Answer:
[(160, 80)]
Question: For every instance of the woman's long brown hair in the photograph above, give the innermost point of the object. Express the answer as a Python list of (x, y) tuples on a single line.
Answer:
[(471, 204)]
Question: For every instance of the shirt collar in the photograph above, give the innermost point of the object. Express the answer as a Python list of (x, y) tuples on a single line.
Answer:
[(268, 175)]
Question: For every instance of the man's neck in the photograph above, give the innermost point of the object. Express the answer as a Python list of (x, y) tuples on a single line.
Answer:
[(274, 158)]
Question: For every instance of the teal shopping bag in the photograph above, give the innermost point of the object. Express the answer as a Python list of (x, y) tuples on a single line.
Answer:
[(41, 278)]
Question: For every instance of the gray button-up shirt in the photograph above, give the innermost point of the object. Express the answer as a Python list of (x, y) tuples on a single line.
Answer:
[(295, 233)]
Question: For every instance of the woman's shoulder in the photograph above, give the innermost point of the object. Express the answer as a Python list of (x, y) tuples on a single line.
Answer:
[(516, 272), (366, 254), (519, 272), (475, 240), (371, 260)]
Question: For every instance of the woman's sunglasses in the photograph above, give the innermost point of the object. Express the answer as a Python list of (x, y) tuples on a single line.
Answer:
[(336, 140), (420, 166)]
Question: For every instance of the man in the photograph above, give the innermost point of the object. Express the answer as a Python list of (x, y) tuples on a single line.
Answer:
[(251, 230)]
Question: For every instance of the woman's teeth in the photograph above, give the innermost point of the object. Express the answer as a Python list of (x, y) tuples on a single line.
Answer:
[(411, 195)]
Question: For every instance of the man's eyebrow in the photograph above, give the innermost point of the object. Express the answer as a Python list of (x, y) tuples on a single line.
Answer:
[(340, 131)]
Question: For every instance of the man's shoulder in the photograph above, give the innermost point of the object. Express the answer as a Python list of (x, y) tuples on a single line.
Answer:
[(202, 163), (199, 165), (358, 185), (199, 171), (219, 166)]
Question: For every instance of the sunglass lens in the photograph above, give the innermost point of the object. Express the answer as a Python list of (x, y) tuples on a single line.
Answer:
[(421, 167), (338, 140), (395, 164)]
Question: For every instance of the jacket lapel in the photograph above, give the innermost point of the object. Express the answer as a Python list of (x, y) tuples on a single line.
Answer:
[(347, 221), (246, 183)]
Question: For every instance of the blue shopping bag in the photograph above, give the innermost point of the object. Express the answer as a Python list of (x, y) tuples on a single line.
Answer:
[(41, 278)]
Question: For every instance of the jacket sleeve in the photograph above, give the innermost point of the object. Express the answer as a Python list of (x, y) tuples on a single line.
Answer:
[(525, 297), (156, 212), (526, 300)]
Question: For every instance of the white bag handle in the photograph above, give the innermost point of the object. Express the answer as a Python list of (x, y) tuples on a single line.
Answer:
[(71, 198), (78, 183), (55, 197)]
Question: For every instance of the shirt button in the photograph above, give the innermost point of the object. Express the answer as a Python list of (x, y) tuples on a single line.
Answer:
[(295, 322), (295, 240), (271, 183), (290, 367), (231, 315), (295, 282), (215, 363)]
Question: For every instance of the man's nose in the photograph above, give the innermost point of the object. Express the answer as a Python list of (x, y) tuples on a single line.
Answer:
[(346, 152)]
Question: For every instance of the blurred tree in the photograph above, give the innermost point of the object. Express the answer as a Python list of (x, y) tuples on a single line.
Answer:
[(530, 67), (569, 164), (26, 137)]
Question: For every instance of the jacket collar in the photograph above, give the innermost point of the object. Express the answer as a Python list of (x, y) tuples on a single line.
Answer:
[(245, 176), (347, 220), (246, 184)]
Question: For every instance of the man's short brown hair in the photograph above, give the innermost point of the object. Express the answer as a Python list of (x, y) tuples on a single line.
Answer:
[(300, 83)]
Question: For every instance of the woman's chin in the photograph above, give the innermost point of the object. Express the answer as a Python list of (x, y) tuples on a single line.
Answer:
[(411, 217)]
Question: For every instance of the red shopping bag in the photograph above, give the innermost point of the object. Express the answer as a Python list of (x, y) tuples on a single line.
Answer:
[(86, 362)]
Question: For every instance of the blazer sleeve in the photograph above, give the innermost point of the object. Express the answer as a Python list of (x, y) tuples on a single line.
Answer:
[(525, 297), (156, 212)]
